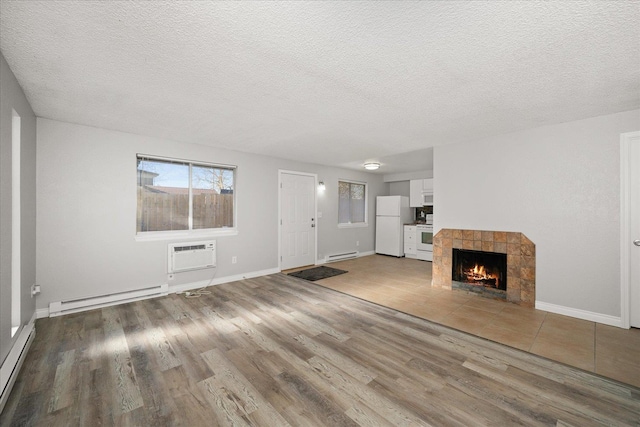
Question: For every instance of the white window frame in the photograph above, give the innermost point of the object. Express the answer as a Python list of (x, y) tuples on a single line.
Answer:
[(145, 236), (366, 205)]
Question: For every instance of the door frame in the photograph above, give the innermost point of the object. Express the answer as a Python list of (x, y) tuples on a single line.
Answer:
[(315, 210), (625, 225)]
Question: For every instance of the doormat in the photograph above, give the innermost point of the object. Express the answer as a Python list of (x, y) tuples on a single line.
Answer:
[(317, 273)]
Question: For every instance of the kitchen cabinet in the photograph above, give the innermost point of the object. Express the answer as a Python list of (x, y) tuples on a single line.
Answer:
[(418, 188), (410, 236), (415, 193)]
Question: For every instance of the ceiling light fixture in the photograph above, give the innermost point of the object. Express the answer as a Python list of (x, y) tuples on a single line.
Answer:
[(371, 166)]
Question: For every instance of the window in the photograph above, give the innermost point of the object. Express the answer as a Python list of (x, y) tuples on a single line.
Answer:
[(178, 195), (352, 203)]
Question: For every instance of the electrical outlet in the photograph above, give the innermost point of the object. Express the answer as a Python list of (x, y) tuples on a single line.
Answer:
[(35, 290), (357, 242), (234, 259), (170, 277)]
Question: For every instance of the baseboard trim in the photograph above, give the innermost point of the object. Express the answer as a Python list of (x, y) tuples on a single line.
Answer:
[(580, 314), (173, 289), (42, 313), (12, 364), (359, 255)]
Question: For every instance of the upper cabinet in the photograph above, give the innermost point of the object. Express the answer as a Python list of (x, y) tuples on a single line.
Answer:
[(415, 193), (420, 192)]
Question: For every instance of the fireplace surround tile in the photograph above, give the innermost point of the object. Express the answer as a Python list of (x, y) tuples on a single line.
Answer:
[(513, 272), (521, 259), (487, 245), (437, 251), (514, 261), (527, 273), (512, 293), (513, 238)]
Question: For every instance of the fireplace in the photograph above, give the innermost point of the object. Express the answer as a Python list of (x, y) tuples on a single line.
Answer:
[(480, 272), (520, 255)]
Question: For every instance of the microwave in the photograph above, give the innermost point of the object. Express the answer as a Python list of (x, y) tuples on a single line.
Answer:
[(427, 199)]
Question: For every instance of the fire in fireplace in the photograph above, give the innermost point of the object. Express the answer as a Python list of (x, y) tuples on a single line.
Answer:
[(484, 272)]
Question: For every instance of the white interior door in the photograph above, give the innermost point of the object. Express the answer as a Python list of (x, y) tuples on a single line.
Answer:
[(633, 239), (298, 220)]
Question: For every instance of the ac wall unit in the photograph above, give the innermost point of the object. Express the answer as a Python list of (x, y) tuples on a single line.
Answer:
[(191, 256)]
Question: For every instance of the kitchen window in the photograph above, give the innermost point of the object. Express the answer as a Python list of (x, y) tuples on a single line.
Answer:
[(180, 197), (352, 204)]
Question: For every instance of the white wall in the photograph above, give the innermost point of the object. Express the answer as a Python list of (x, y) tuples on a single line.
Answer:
[(331, 239), (87, 212), (13, 99), (399, 188), (560, 186)]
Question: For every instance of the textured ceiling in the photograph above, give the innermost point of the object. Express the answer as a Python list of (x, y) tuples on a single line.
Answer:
[(335, 83)]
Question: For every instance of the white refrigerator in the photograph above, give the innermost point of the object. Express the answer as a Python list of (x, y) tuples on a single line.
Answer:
[(392, 213)]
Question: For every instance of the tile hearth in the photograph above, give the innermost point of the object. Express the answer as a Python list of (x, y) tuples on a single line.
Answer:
[(521, 259)]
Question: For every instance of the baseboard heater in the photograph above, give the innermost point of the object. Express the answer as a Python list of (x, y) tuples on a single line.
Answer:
[(12, 364), (59, 308), (341, 257)]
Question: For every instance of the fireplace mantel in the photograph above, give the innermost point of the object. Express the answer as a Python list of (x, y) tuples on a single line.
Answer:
[(521, 259)]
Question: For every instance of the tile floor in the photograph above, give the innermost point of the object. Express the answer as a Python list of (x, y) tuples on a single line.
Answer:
[(405, 285)]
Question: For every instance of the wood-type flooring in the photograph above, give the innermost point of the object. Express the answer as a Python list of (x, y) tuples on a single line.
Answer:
[(279, 351)]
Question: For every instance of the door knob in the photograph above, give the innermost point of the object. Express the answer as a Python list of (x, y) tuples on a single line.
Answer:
[(636, 242)]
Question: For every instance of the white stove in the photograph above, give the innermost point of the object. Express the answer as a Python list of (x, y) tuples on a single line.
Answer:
[(424, 242)]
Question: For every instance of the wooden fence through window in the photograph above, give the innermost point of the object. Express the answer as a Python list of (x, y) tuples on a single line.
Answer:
[(162, 211)]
